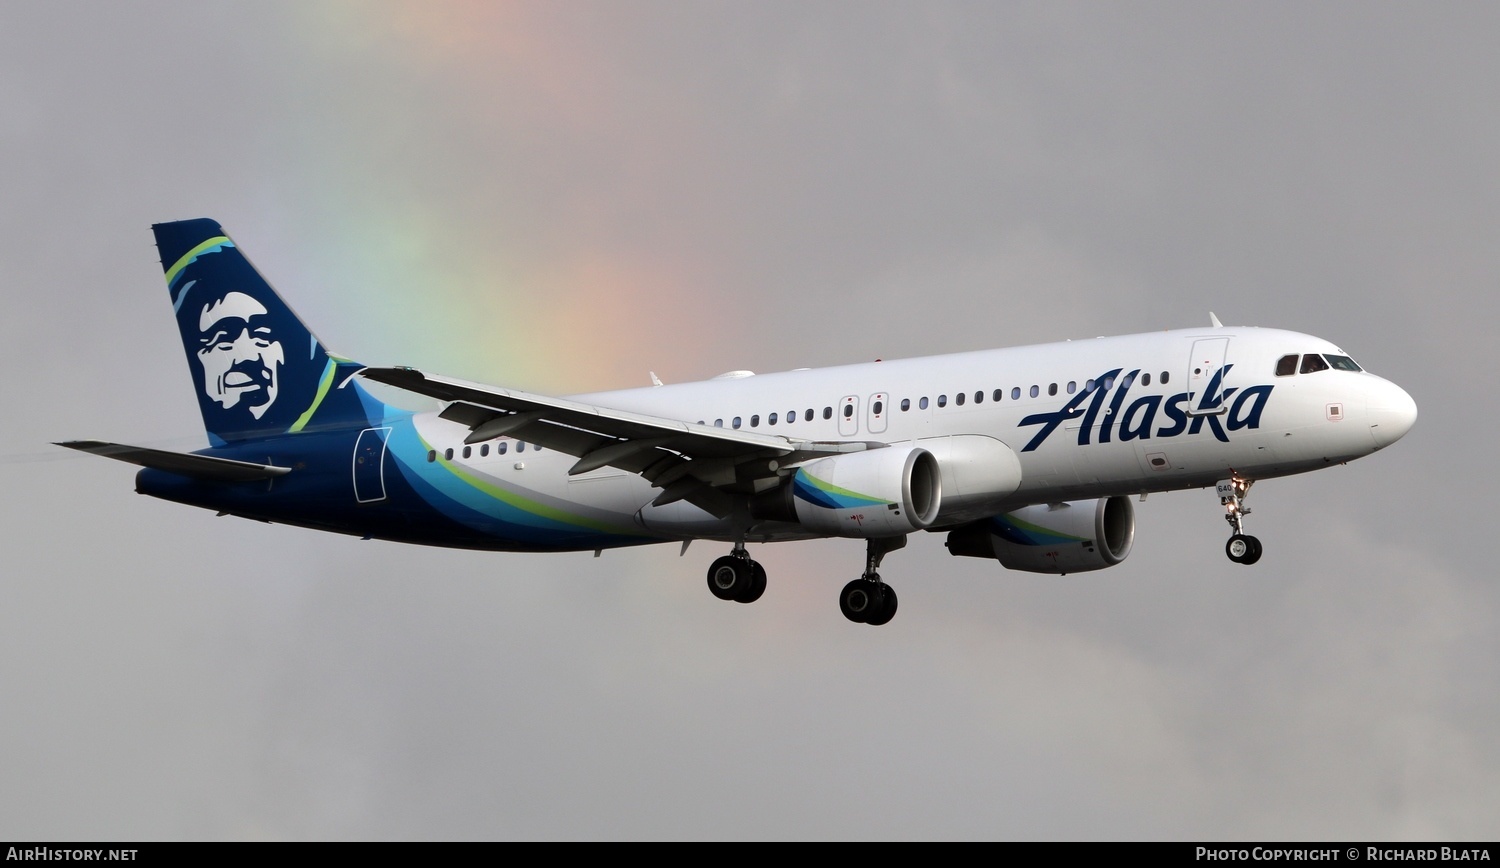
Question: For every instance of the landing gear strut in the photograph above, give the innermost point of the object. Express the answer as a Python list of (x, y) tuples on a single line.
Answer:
[(868, 600), (736, 577), (1241, 548)]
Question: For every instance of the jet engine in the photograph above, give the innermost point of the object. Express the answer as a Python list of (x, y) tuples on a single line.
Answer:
[(979, 474), (880, 492), (1060, 538)]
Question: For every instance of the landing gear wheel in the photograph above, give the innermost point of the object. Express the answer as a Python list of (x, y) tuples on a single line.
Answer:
[(1243, 549), (736, 578), (863, 600), (756, 586), (887, 611), (729, 577)]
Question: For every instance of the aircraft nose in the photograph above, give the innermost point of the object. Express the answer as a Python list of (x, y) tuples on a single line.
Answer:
[(1392, 413)]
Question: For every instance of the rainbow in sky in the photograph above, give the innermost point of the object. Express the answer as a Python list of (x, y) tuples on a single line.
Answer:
[(429, 200)]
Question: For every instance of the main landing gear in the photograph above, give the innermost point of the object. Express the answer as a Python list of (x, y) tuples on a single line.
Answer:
[(1241, 548), (736, 577), (868, 600)]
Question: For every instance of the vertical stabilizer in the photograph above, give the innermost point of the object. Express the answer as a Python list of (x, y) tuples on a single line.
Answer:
[(257, 369)]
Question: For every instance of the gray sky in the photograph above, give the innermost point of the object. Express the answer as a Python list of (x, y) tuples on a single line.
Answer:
[(564, 196)]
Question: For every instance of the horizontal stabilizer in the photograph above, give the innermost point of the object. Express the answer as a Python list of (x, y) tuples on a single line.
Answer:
[(195, 466)]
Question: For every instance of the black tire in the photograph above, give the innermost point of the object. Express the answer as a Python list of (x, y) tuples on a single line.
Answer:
[(756, 586), (728, 577), (887, 610), (1255, 551), (1243, 549), (862, 599)]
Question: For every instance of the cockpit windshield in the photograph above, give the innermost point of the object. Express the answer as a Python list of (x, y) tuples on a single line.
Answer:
[(1312, 363), (1286, 366)]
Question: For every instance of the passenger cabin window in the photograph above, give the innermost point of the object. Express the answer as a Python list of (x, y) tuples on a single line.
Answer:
[(771, 419), (468, 450), (1072, 386), (1052, 389), (942, 400), (999, 393), (979, 397), (1015, 393), (755, 421), (878, 408), (905, 404), (1341, 363), (1286, 365), (1145, 379), (718, 423), (827, 412), (1165, 378), (809, 415), (1035, 391), (849, 411), (431, 455), (1312, 363), (484, 450), (447, 454), (736, 422), (520, 446), (959, 399), (500, 447), (922, 403)]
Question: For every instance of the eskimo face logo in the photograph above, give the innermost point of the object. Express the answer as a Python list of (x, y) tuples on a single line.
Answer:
[(240, 354)]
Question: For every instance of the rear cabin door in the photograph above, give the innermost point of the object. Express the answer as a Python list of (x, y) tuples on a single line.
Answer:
[(369, 465)]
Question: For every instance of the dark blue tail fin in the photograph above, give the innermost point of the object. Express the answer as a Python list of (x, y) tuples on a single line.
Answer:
[(258, 370)]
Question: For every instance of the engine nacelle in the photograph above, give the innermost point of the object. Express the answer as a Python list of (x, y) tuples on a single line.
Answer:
[(1062, 538), (979, 474), (879, 492)]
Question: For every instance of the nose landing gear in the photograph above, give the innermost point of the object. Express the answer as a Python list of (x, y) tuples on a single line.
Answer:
[(1241, 548)]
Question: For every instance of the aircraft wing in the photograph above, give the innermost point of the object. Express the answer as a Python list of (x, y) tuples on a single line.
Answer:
[(183, 463), (703, 464)]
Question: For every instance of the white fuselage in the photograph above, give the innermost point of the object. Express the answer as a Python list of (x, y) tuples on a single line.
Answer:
[(1170, 410)]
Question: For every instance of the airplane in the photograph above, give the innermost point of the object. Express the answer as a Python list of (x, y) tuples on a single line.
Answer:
[(1028, 456)]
